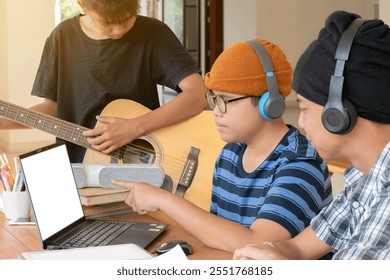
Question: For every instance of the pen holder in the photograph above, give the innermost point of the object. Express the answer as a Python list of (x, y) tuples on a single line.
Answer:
[(15, 204)]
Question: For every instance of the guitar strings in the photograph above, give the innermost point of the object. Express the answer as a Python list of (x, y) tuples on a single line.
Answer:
[(175, 163)]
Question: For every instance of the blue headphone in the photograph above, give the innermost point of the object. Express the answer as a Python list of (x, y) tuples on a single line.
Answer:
[(271, 104)]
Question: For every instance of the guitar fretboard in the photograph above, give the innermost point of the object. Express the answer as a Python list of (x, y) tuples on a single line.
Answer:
[(57, 127), (61, 129)]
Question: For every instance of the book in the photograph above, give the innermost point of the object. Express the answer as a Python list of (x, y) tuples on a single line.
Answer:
[(109, 252), (97, 196), (107, 209)]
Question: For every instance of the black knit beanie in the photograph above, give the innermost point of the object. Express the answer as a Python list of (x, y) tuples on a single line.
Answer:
[(367, 72)]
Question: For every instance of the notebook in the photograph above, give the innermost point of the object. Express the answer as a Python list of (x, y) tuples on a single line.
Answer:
[(58, 210)]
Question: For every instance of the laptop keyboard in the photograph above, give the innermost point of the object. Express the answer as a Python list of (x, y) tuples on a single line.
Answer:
[(99, 233)]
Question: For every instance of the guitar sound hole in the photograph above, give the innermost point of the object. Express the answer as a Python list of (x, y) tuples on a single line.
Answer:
[(139, 151)]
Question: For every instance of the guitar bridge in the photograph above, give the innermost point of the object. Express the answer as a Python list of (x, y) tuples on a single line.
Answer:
[(188, 173)]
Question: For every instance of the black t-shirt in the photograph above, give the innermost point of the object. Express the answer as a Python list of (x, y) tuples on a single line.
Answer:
[(83, 75)]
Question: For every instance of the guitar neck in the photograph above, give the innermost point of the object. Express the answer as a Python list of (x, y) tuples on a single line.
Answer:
[(61, 129)]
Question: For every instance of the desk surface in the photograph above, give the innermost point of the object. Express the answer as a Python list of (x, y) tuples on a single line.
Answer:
[(17, 239), (338, 166)]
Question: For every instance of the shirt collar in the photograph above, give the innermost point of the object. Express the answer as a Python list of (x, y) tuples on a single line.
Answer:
[(379, 169)]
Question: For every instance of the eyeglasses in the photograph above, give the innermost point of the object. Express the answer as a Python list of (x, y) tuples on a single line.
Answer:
[(220, 101)]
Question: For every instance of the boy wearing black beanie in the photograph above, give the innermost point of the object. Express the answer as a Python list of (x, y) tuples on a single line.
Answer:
[(345, 112)]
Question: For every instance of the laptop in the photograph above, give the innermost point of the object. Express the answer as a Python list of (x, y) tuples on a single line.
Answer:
[(58, 211)]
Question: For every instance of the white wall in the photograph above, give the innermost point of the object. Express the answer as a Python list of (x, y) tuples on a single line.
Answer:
[(290, 24), (25, 25), (4, 139), (293, 31), (239, 20), (384, 11), (298, 29)]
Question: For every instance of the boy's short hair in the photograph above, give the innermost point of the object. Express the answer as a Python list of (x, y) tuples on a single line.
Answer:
[(238, 70), (366, 73), (114, 11)]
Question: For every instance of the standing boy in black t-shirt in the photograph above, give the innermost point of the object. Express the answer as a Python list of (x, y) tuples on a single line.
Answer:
[(110, 52)]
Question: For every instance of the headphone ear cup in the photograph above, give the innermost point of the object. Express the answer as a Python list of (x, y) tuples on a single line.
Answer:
[(339, 120), (270, 107), (271, 104), (352, 113), (263, 105)]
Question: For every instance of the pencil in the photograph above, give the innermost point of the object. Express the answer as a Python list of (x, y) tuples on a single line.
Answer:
[(2, 160), (4, 178)]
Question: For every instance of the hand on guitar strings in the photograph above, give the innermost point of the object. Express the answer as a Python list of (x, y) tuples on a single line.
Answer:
[(112, 133)]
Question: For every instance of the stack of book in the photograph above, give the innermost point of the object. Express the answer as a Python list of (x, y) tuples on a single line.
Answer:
[(107, 209), (99, 202), (97, 196)]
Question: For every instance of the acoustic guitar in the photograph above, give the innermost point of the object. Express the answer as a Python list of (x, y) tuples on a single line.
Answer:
[(186, 151)]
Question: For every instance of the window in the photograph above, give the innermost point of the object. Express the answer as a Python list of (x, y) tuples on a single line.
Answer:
[(66, 9), (183, 17)]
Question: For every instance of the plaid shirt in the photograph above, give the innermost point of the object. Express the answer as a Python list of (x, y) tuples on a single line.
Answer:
[(357, 222)]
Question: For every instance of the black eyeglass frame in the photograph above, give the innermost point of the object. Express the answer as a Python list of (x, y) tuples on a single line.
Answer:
[(212, 100)]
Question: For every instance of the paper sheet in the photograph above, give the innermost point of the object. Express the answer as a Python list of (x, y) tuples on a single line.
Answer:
[(176, 253)]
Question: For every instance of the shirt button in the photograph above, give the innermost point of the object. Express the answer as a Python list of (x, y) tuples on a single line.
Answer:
[(355, 204)]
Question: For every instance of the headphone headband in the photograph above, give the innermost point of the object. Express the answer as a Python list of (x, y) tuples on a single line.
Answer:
[(339, 116)]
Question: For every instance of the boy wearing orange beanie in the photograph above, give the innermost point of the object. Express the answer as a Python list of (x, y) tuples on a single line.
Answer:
[(268, 180)]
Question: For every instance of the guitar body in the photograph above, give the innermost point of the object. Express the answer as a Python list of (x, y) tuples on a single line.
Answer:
[(172, 145)]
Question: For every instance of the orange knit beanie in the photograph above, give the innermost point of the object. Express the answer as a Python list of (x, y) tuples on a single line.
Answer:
[(238, 70)]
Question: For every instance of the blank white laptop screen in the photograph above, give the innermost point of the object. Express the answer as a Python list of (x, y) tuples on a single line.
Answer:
[(52, 189)]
